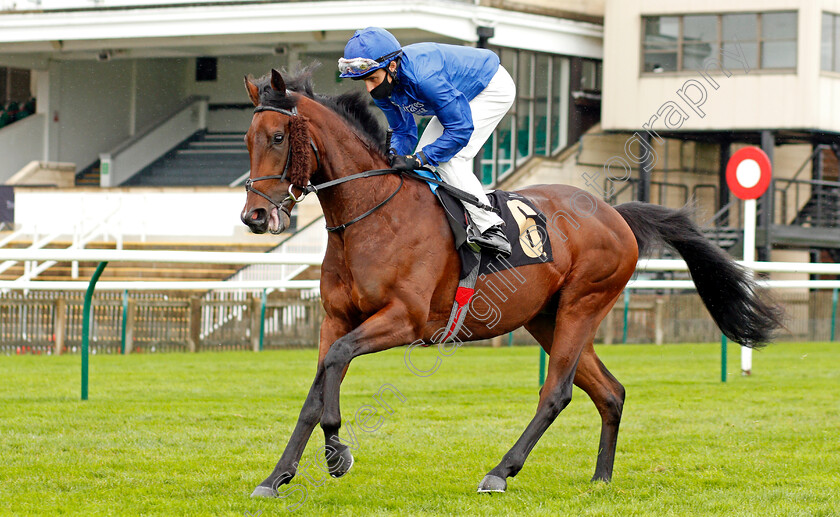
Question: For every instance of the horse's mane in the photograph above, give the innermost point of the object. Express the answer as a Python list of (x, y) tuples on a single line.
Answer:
[(352, 106)]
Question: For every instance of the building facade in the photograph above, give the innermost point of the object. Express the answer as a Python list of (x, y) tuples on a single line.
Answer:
[(106, 72), (687, 83)]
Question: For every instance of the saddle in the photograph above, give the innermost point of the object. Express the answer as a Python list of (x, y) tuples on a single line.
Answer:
[(525, 228)]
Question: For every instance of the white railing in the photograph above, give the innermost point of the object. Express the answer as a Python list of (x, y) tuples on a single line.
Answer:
[(311, 239), (86, 232), (238, 182), (201, 257), (37, 243), (763, 267), (17, 234), (182, 257), (146, 212), (141, 150)]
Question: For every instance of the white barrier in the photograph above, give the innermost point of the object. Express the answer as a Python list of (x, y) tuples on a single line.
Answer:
[(315, 259), (186, 257), (140, 213), (160, 286), (183, 257), (762, 267)]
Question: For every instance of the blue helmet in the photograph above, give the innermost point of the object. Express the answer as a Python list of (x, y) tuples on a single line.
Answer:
[(367, 51)]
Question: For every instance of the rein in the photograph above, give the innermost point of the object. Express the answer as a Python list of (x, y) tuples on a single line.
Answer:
[(456, 192)]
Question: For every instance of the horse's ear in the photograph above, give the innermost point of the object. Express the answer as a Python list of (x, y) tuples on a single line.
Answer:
[(277, 82), (301, 160), (253, 91)]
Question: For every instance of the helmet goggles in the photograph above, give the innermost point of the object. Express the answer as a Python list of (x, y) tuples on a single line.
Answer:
[(361, 67)]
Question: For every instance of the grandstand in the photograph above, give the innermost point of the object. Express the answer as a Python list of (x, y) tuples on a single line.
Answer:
[(141, 102), (132, 110)]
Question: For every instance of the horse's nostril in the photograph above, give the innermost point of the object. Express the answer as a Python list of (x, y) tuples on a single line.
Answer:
[(256, 217)]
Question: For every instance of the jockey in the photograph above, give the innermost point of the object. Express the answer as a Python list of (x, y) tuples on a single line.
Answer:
[(467, 92)]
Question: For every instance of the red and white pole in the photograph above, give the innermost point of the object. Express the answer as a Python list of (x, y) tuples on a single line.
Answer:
[(748, 175)]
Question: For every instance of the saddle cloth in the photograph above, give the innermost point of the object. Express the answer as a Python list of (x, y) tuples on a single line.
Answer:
[(525, 228)]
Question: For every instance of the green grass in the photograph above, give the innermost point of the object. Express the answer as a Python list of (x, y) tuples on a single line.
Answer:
[(192, 434)]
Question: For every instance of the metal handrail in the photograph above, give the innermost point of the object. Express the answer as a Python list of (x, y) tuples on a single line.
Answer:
[(819, 183), (152, 126), (725, 211), (240, 180), (630, 183), (801, 168), (821, 187)]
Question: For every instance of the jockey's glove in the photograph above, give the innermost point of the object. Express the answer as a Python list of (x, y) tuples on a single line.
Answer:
[(402, 162)]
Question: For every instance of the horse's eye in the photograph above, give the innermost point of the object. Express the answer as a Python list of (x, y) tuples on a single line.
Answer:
[(278, 137)]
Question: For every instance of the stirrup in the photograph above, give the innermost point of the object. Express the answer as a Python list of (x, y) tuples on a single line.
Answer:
[(501, 245), (472, 233)]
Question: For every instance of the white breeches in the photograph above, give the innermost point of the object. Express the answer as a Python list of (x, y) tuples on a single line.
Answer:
[(488, 108)]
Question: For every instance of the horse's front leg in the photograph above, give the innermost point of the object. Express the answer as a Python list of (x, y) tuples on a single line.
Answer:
[(310, 414), (390, 327)]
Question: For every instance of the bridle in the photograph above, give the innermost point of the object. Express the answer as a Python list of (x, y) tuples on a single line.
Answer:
[(282, 205), (249, 183)]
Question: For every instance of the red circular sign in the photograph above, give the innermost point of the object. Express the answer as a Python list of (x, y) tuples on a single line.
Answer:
[(748, 173)]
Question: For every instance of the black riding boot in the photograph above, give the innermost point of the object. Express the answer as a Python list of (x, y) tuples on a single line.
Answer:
[(493, 239)]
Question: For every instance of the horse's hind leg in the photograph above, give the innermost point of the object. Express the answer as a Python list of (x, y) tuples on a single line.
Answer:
[(605, 391), (608, 395), (574, 327)]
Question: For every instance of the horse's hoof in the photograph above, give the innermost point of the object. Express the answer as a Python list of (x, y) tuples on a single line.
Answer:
[(264, 491), (492, 483), (339, 464)]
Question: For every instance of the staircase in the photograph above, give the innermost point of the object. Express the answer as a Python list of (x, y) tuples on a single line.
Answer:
[(89, 177), (728, 238), (204, 159), (822, 208)]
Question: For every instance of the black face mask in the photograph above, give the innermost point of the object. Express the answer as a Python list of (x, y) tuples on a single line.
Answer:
[(383, 91)]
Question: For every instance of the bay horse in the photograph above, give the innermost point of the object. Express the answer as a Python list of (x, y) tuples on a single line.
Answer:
[(391, 271)]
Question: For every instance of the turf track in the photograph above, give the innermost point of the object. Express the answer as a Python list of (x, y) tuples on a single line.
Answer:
[(192, 434)]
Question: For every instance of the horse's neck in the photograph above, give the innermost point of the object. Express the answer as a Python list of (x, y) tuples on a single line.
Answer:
[(340, 203)]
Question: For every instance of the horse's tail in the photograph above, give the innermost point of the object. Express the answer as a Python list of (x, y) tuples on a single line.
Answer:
[(727, 289)]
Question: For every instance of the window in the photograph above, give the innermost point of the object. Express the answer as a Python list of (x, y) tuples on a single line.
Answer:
[(677, 43), (206, 68), (830, 43), (740, 29), (590, 79), (778, 40), (537, 122), (700, 36), (662, 36), (14, 86), (4, 73)]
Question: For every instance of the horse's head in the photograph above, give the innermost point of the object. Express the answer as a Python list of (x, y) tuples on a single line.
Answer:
[(281, 155)]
